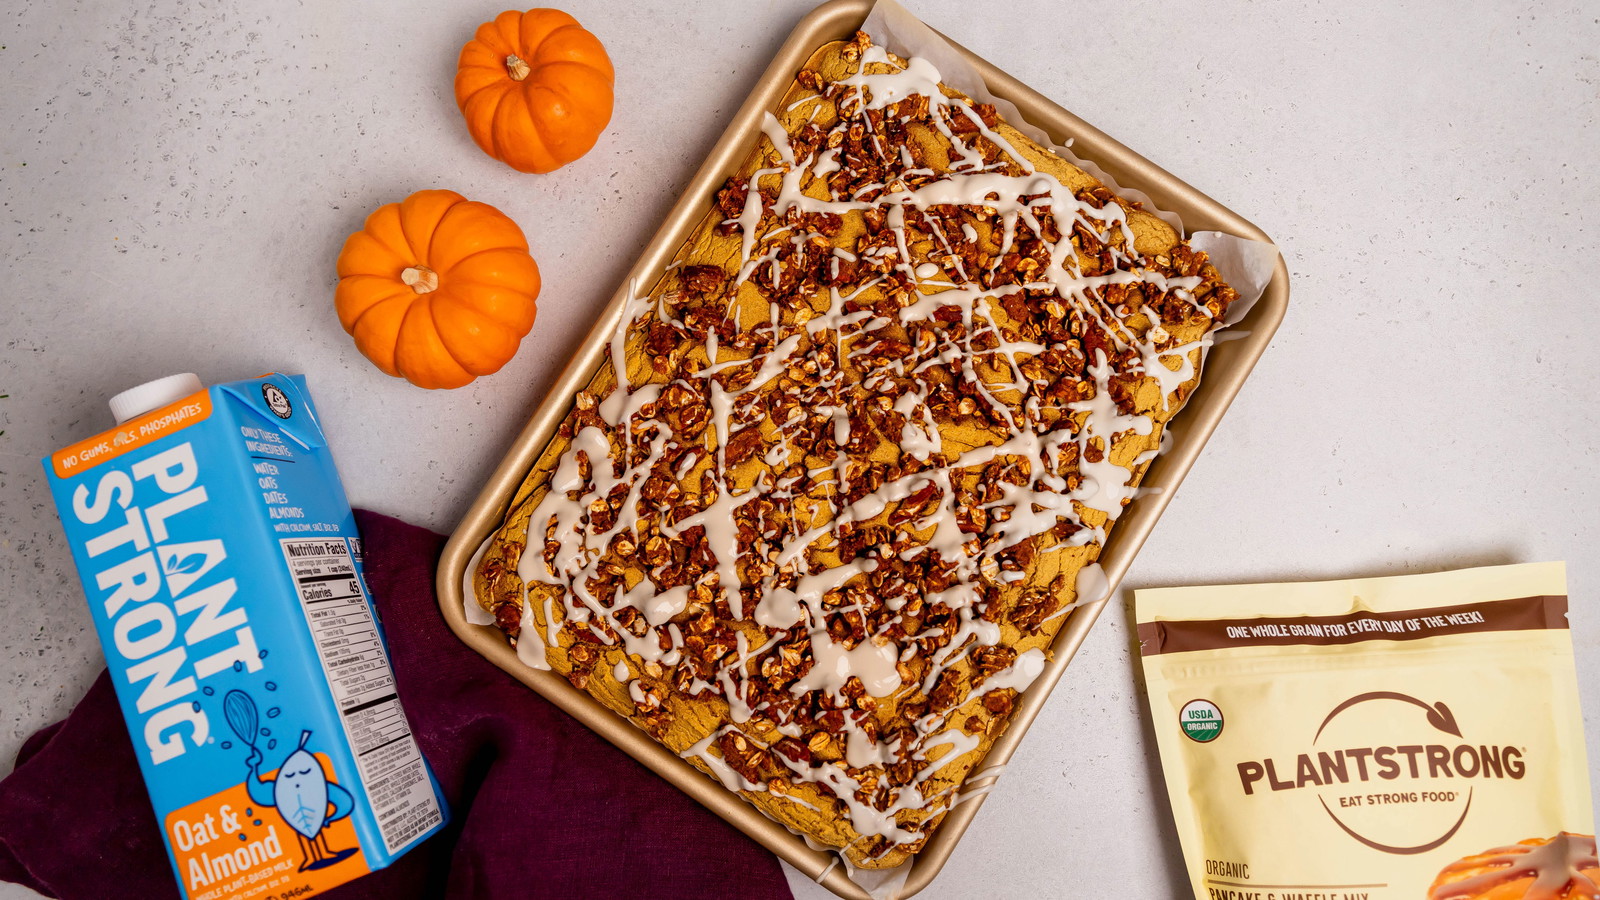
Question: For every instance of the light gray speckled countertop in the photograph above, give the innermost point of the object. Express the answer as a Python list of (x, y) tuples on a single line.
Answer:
[(176, 180)]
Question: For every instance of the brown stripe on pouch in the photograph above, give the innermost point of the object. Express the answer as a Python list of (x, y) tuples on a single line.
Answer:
[(1545, 611)]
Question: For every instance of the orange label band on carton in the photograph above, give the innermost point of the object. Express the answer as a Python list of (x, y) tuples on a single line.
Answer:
[(131, 435)]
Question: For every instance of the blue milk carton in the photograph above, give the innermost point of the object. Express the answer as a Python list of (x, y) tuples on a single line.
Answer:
[(223, 569)]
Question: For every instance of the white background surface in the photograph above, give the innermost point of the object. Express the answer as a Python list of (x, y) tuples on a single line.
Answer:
[(176, 180)]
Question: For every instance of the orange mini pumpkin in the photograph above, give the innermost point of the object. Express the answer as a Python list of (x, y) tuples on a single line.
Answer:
[(535, 88), (437, 289)]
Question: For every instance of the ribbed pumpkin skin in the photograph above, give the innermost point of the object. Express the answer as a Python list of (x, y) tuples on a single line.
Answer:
[(556, 112), (470, 322)]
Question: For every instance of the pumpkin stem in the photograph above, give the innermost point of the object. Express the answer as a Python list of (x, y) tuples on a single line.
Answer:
[(518, 69), (420, 278)]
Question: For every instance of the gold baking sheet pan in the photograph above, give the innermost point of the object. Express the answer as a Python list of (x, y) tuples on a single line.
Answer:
[(1227, 365)]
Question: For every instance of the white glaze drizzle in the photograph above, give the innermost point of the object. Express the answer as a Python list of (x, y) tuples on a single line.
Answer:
[(630, 441)]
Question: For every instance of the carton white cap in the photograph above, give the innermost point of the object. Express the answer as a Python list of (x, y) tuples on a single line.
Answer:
[(136, 401)]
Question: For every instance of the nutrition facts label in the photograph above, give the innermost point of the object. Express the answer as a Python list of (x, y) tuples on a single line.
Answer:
[(335, 604)]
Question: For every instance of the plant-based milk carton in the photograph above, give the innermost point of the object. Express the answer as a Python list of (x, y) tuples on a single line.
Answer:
[(223, 569)]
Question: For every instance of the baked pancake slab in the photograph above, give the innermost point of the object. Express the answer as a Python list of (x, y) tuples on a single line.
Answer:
[(845, 475)]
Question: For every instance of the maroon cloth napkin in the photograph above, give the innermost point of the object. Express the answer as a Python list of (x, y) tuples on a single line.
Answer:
[(541, 807)]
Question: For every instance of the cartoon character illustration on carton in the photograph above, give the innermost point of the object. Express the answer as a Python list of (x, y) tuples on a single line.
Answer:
[(301, 791)]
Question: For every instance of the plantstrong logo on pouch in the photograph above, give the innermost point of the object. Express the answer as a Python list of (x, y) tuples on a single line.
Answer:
[(1404, 797)]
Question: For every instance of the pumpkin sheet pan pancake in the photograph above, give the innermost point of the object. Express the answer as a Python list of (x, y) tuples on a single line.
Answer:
[(908, 492)]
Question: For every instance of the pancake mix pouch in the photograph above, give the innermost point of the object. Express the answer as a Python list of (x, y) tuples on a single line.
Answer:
[(223, 570), (1407, 738)]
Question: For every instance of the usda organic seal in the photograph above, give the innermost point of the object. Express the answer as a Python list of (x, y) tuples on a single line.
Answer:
[(1200, 720)]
